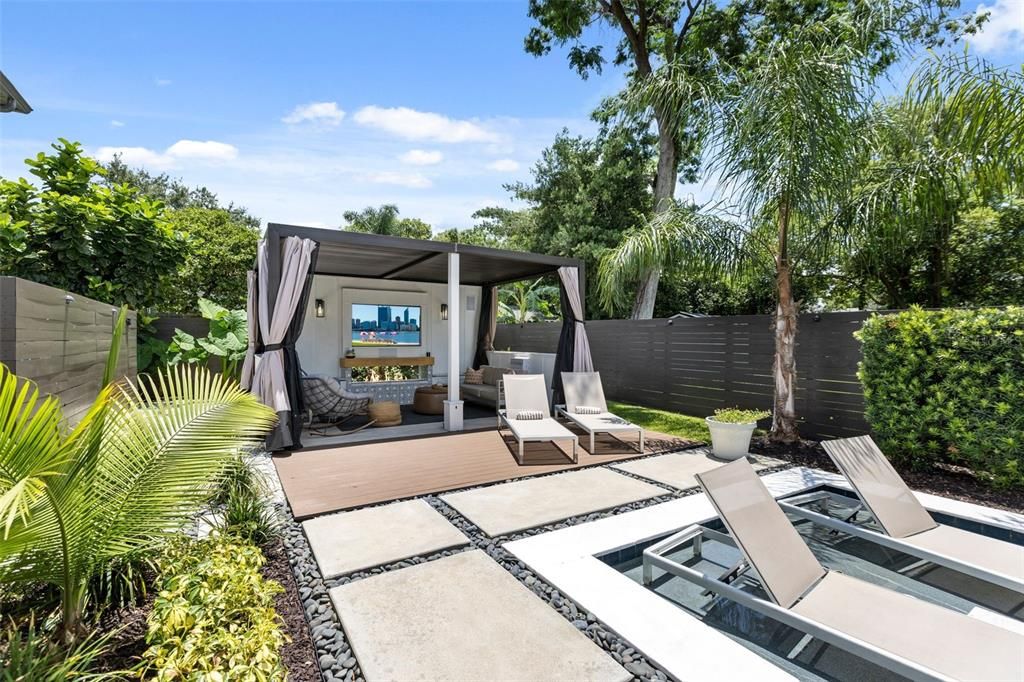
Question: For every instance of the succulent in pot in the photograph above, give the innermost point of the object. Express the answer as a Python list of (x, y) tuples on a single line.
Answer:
[(731, 431)]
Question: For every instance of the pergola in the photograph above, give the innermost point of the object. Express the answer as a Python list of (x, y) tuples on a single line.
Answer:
[(353, 254)]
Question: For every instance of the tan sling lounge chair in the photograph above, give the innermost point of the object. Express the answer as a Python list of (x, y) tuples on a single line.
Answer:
[(586, 407), (907, 526), (528, 414), (908, 636)]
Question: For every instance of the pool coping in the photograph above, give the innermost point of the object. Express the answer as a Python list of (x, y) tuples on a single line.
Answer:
[(676, 641)]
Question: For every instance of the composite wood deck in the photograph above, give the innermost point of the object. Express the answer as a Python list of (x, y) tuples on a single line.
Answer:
[(332, 479)]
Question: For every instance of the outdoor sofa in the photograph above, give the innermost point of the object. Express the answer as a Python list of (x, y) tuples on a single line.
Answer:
[(527, 413), (906, 525), (489, 392), (911, 637), (586, 407)]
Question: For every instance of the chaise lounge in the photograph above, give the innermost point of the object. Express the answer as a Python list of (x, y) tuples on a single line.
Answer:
[(911, 637), (906, 525), (586, 407), (528, 415)]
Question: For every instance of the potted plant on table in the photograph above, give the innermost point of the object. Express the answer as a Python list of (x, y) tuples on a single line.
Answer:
[(731, 431)]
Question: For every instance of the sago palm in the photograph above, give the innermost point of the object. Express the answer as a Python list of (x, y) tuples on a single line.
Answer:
[(135, 469)]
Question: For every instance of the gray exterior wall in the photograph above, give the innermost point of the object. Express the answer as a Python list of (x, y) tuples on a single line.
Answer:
[(696, 365), (62, 346)]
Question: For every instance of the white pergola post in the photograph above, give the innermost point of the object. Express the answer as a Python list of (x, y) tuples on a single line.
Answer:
[(453, 406)]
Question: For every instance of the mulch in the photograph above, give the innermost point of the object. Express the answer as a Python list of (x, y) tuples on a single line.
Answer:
[(298, 655), (946, 480)]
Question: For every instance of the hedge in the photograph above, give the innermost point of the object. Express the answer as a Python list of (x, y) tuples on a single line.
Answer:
[(213, 617), (948, 386)]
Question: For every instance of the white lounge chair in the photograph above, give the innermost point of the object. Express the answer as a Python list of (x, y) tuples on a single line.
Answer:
[(907, 526), (586, 407), (526, 396), (911, 637)]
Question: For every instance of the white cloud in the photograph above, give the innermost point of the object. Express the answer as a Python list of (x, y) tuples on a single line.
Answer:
[(412, 180), (326, 113), (1004, 29), (135, 156), (210, 150), (117, 124), (423, 125), (163, 82), (180, 150), (504, 165), (421, 157)]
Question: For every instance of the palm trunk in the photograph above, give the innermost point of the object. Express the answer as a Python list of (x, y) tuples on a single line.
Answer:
[(784, 423), (664, 190)]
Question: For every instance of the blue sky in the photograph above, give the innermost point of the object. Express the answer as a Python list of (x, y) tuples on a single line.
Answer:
[(301, 111)]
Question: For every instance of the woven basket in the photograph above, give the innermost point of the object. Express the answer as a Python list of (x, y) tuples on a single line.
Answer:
[(386, 413)]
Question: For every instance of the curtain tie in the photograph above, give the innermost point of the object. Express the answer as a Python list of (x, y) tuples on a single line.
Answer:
[(272, 346)]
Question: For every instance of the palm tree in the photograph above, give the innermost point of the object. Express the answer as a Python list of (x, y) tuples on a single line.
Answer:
[(781, 137), (384, 220), (527, 302), (133, 471), (956, 136)]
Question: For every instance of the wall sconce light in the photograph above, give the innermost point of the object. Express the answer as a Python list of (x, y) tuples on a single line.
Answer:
[(321, 309), (444, 311)]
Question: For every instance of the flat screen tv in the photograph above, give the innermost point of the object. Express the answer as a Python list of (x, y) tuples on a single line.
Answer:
[(379, 325)]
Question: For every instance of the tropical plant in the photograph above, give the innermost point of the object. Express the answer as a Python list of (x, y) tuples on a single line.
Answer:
[(782, 135), (524, 301), (214, 615), (107, 242), (227, 340), (246, 512), (385, 221), (134, 470), (734, 415), (27, 653), (954, 139)]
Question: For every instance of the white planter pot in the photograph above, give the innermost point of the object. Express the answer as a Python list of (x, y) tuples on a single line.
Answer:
[(730, 441)]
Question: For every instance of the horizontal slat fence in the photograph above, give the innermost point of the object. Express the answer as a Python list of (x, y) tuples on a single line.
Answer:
[(60, 343), (695, 365)]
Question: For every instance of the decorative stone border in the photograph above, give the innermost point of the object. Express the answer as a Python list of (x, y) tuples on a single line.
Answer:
[(335, 658)]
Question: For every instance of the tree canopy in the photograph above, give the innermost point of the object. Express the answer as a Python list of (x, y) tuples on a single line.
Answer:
[(384, 220), (77, 232)]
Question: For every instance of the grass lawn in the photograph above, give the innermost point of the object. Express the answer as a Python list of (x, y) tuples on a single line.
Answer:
[(684, 426)]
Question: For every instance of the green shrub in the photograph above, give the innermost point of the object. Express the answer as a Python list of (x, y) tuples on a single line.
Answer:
[(213, 617), (734, 415), (246, 513), (948, 386)]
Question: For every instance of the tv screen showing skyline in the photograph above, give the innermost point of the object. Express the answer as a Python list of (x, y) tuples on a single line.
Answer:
[(386, 325)]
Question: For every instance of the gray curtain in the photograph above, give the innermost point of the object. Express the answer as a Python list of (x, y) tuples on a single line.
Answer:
[(573, 352), (275, 378), (487, 326), (252, 326)]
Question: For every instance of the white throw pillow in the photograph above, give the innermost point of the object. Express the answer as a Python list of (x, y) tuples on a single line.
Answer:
[(530, 414), (584, 409)]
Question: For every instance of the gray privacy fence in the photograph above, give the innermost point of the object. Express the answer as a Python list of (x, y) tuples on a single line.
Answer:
[(695, 365), (60, 340)]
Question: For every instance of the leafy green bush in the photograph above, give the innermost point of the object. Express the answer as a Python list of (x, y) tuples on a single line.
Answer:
[(214, 613), (948, 386)]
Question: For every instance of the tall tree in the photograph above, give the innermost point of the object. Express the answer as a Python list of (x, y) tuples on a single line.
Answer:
[(783, 136), (384, 220), (699, 35)]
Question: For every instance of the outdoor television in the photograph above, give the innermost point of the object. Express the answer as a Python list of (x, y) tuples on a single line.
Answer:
[(379, 325)]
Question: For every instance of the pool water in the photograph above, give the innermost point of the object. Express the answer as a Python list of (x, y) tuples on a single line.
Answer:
[(852, 556)]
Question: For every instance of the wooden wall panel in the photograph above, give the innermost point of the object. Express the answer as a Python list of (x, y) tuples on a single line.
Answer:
[(60, 341), (696, 365)]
